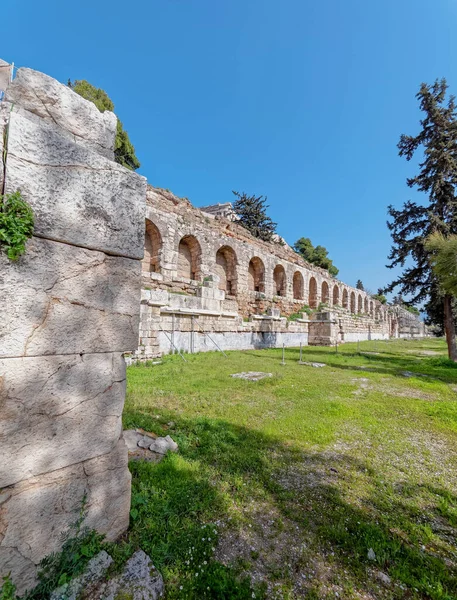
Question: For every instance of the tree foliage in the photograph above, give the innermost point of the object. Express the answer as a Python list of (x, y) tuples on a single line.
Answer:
[(317, 255), (16, 224), (443, 258), (252, 214), (437, 178), (124, 152), (359, 285)]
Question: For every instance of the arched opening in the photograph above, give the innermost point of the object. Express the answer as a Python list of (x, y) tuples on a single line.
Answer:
[(353, 308), (359, 304), (279, 281), (366, 309), (189, 258), (325, 293), (299, 286), (336, 295), (345, 299), (256, 275), (152, 248), (226, 269), (312, 300), (372, 309)]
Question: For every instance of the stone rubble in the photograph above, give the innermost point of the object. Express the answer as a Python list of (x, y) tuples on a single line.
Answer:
[(139, 580), (135, 439)]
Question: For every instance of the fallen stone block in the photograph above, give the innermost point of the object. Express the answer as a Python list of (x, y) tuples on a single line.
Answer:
[(139, 580), (312, 364), (162, 445), (252, 375)]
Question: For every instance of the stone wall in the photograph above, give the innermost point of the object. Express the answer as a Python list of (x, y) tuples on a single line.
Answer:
[(70, 309), (207, 283)]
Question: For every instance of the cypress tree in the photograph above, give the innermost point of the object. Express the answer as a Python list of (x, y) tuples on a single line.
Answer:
[(437, 178)]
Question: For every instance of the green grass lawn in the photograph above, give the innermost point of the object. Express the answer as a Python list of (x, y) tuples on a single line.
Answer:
[(334, 482)]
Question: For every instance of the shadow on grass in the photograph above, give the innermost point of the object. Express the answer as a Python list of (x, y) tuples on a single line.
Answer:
[(220, 464)]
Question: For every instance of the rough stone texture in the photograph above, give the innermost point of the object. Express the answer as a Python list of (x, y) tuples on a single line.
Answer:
[(162, 445), (55, 103), (95, 571), (78, 196), (71, 307), (68, 409), (139, 580), (65, 300), (39, 509)]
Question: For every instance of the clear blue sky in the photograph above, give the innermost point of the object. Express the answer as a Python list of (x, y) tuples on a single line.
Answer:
[(301, 100)]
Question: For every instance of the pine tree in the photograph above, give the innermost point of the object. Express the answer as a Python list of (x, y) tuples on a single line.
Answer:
[(315, 255), (252, 214), (124, 152), (443, 258), (359, 285), (411, 226)]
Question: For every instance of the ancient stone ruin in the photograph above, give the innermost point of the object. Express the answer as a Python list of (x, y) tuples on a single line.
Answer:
[(70, 310), (94, 280), (208, 284)]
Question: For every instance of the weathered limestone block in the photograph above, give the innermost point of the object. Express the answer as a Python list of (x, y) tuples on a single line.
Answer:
[(57, 411), (64, 300), (78, 196), (57, 103), (39, 509)]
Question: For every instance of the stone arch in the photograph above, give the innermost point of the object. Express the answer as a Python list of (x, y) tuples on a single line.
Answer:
[(312, 300), (372, 309), (152, 248), (256, 275), (279, 281), (336, 295), (345, 299), (353, 306), (189, 258), (359, 304), (325, 293), (299, 286), (365, 308), (225, 268)]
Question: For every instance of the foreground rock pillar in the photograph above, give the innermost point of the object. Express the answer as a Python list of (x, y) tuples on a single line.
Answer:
[(70, 308)]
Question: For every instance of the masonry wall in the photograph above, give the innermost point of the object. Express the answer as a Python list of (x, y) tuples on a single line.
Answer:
[(207, 283), (70, 309)]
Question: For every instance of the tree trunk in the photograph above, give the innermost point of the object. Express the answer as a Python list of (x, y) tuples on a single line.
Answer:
[(450, 328)]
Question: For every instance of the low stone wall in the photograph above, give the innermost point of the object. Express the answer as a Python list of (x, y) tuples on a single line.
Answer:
[(70, 309)]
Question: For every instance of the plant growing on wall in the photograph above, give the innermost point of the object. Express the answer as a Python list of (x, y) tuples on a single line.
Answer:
[(16, 224), (124, 152), (252, 214)]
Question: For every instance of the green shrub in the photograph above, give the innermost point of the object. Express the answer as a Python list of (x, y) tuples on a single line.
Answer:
[(16, 224)]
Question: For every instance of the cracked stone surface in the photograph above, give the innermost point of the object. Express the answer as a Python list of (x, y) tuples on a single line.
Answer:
[(71, 307), (78, 196), (40, 508), (55, 103), (252, 375), (68, 409), (65, 300)]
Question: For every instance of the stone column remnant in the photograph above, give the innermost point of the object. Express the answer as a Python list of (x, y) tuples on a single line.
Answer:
[(70, 308)]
